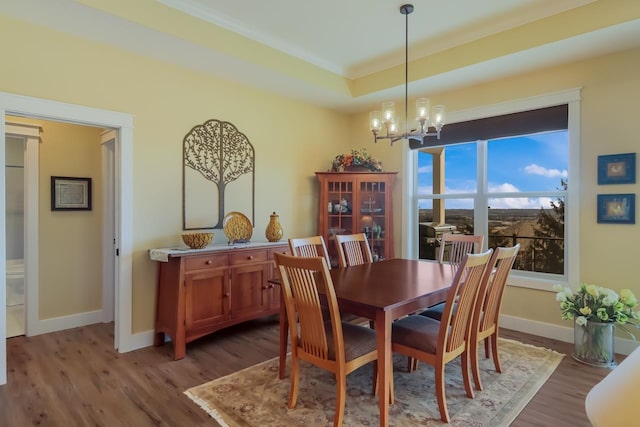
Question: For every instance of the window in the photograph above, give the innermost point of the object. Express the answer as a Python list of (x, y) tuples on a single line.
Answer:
[(524, 196), (511, 188)]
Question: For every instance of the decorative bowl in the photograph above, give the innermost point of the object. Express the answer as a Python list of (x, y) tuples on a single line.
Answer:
[(197, 240)]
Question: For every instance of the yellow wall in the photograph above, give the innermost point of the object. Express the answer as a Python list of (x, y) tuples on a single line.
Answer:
[(291, 139), (609, 124), (70, 252)]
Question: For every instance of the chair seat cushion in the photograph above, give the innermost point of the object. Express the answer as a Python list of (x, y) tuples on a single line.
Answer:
[(416, 331), (358, 340), (434, 312)]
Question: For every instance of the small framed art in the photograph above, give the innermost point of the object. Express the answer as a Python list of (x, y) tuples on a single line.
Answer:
[(617, 169), (70, 194), (616, 208)]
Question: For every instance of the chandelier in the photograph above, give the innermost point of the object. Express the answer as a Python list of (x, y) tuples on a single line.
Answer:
[(429, 122)]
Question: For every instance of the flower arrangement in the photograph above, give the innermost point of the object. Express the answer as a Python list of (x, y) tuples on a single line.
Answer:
[(356, 158), (597, 304), (601, 306)]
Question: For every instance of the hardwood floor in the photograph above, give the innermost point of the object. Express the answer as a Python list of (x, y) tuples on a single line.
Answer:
[(76, 378)]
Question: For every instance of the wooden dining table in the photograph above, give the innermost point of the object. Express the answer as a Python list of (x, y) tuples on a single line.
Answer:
[(382, 291)]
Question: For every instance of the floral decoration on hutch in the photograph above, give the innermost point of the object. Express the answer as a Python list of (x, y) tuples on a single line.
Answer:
[(356, 161)]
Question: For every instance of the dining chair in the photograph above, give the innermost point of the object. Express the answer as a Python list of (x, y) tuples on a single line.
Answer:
[(337, 346), (438, 343), (310, 247), (459, 245), (353, 249), (486, 315), (456, 246)]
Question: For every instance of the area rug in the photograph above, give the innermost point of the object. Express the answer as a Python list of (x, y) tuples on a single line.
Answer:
[(256, 397)]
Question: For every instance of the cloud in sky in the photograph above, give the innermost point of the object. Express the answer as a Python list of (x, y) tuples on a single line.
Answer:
[(503, 188), (520, 203), (534, 169)]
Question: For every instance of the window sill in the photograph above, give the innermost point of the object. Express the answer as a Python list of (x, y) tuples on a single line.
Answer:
[(538, 283)]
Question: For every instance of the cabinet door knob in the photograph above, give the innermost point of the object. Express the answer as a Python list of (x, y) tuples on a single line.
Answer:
[(208, 262), (250, 257), (226, 294)]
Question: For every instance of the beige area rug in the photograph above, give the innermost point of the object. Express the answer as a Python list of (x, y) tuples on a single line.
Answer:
[(256, 397)]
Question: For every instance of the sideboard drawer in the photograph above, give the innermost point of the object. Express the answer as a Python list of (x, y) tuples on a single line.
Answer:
[(247, 257), (206, 261), (284, 250)]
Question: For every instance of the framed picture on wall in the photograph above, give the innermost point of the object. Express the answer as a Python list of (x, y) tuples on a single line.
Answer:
[(617, 169), (70, 194), (616, 208)]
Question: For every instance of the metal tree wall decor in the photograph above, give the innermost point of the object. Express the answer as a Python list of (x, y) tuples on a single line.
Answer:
[(217, 158)]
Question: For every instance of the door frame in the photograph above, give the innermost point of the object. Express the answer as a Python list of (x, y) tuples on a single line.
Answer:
[(122, 123), (30, 134)]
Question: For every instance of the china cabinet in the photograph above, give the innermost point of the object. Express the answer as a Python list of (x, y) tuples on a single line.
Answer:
[(357, 202)]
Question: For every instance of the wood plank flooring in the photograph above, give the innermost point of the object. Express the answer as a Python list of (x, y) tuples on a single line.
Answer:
[(76, 378)]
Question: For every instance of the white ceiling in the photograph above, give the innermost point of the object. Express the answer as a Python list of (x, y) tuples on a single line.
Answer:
[(357, 37), (351, 38)]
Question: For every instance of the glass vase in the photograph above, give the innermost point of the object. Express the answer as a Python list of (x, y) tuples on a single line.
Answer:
[(593, 343)]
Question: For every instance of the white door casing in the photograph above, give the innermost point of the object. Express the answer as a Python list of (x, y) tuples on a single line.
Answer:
[(18, 105)]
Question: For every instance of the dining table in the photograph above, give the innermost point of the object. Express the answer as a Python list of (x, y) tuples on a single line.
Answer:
[(382, 291)]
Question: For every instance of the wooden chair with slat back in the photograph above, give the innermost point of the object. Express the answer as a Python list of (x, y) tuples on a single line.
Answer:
[(456, 246), (353, 249), (437, 343), (459, 245), (337, 346), (309, 247), (486, 314)]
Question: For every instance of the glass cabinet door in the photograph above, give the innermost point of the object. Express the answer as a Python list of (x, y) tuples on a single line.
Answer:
[(340, 213), (372, 215)]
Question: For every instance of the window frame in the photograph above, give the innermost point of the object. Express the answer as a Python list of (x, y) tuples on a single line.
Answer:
[(540, 281)]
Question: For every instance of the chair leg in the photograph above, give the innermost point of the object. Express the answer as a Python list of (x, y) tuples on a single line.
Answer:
[(475, 369), (412, 364), (486, 348), (295, 378), (375, 385), (496, 355), (464, 364), (341, 395), (442, 399)]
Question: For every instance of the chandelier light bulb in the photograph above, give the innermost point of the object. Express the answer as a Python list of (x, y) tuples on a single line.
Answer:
[(438, 114), (388, 112), (422, 109), (374, 121)]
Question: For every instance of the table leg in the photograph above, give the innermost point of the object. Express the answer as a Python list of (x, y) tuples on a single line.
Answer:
[(385, 369), (284, 337)]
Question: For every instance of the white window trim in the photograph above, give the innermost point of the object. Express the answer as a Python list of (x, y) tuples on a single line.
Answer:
[(571, 97)]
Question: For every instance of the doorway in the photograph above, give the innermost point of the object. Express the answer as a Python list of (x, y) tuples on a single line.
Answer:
[(122, 153)]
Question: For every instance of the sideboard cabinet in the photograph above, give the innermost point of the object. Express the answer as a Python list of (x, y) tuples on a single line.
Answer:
[(357, 202), (203, 290)]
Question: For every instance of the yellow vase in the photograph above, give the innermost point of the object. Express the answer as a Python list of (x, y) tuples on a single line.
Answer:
[(274, 232)]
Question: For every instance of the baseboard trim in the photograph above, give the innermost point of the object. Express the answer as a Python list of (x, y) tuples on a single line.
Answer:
[(534, 327), (560, 333), (61, 323)]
